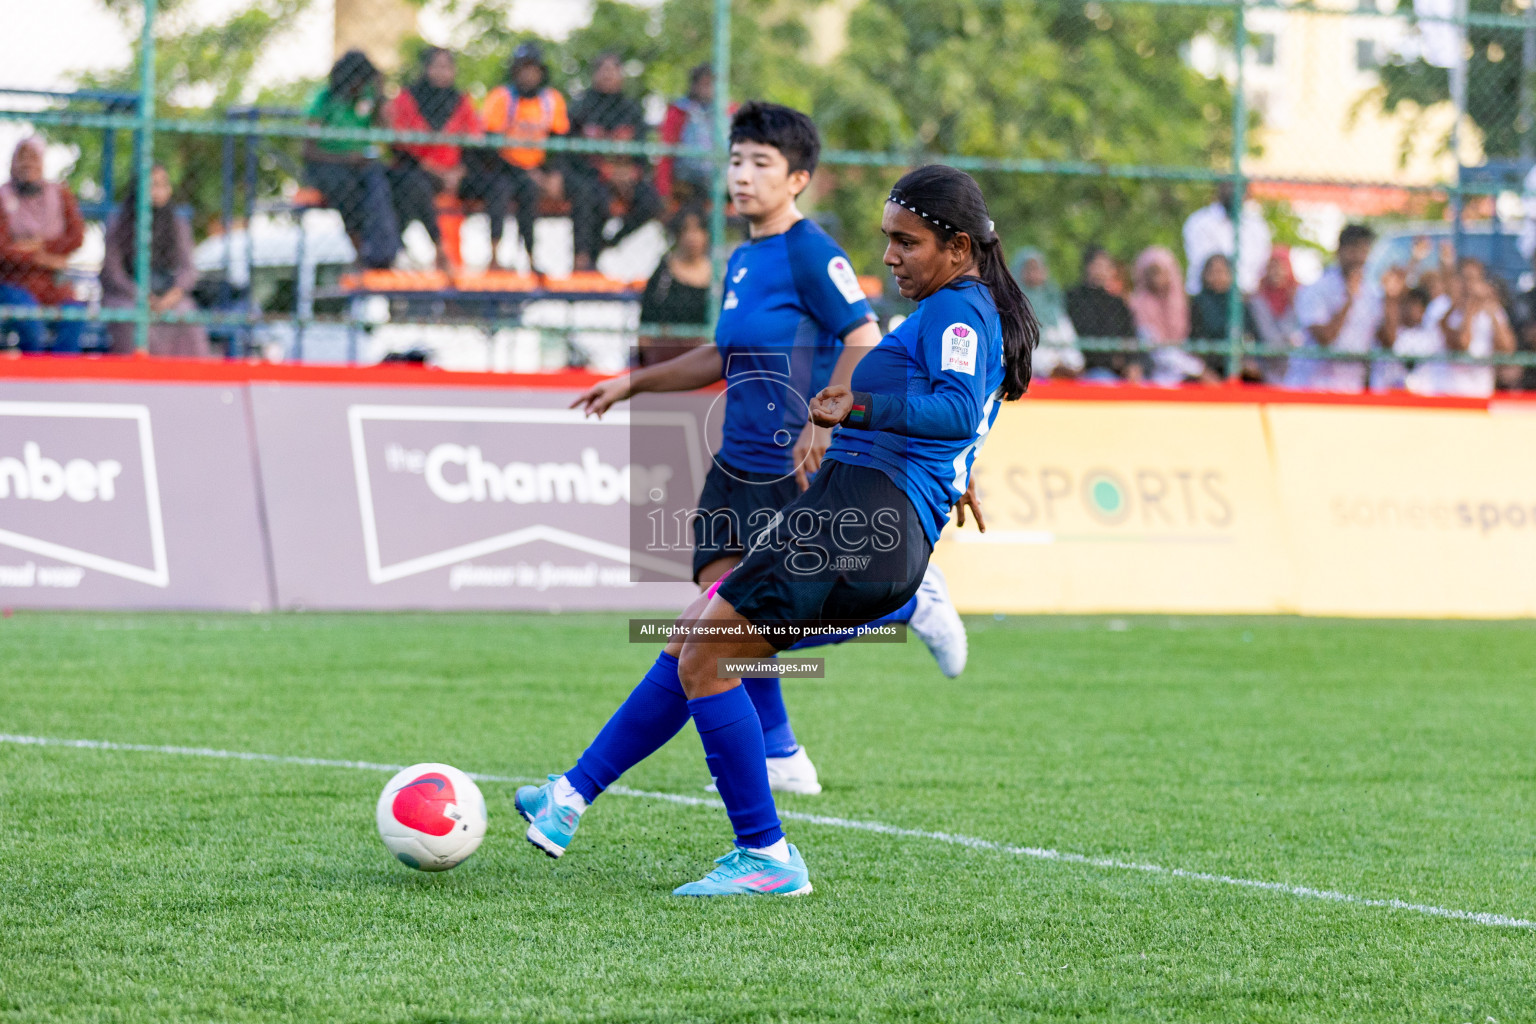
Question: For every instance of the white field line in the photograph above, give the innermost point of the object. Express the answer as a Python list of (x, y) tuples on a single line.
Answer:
[(1037, 853)]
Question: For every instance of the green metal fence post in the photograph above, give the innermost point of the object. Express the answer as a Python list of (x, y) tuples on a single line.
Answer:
[(1239, 190), (143, 206), (722, 68)]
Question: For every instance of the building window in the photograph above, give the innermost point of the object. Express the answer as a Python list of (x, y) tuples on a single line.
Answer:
[(1367, 55), (1263, 49)]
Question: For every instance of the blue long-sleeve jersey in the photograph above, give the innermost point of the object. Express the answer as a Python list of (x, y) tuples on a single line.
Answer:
[(928, 395)]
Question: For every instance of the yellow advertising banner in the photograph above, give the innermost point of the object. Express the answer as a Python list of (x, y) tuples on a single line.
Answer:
[(1409, 512), (1129, 506)]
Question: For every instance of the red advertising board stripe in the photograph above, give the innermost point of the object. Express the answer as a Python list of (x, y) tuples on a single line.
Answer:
[(134, 368)]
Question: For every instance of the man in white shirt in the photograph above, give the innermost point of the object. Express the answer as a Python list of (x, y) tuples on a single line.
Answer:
[(1208, 231), (1341, 312)]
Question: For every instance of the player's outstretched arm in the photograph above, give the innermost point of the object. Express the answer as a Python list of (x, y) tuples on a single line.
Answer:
[(696, 368)]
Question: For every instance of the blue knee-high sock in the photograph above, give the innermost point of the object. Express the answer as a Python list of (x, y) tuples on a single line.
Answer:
[(768, 698), (733, 749), (652, 714), (902, 614)]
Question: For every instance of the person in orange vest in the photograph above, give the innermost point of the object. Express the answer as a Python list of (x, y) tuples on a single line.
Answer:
[(528, 111)]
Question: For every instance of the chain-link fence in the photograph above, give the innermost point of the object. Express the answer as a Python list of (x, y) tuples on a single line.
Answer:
[(547, 188)]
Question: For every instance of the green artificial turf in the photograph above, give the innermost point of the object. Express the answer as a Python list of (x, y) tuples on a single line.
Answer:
[(1382, 760)]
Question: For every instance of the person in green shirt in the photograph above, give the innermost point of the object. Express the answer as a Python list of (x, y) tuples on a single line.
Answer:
[(348, 174)]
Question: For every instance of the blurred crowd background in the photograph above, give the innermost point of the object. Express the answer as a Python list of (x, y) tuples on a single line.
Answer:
[(1333, 196)]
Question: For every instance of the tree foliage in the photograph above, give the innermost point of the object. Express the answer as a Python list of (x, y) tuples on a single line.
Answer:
[(1493, 85), (1064, 80), (201, 70)]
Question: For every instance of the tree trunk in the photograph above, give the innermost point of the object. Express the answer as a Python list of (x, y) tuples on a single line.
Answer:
[(377, 27)]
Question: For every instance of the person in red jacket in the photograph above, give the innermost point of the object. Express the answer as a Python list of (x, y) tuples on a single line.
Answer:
[(423, 171), (40, 226)]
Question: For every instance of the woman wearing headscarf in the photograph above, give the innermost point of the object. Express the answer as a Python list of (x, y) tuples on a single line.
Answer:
[(40, 226), (172, 273), (1161, 312), (423, 171), (1273, 309), (1210, 309), (1057, 354), (1099, 314), (348, 174)]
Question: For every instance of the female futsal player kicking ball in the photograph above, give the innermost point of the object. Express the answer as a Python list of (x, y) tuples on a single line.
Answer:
[(794, 319), (909, 427)]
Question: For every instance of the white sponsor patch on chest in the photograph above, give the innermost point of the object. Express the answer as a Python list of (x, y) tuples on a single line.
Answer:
[(847, 282), (960, 348)]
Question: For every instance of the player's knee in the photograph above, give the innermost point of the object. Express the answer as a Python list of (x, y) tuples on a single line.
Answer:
[(690, 616), (696, 669)]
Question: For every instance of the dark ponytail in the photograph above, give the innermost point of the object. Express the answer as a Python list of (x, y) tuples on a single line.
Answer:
[(951, 203)]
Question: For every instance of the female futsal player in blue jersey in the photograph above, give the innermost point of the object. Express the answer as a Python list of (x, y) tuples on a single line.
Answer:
[(853, 547), (794, 319)]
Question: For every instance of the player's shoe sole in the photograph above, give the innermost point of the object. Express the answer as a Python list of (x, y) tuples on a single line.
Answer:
[(552, 850), (537, 804)]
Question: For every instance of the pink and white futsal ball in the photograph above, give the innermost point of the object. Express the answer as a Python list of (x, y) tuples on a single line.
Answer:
[(431, 817)]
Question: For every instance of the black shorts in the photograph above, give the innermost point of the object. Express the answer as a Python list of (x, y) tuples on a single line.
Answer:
[(733, 505), (816, 567)]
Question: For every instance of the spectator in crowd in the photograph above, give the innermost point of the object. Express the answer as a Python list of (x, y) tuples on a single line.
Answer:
[(1208, 231), (678, 292), (1524, 321), (40, 226), (1056, 354), (1339, 312), (604, 112), (421, 173), (172, 274), (1161, 312), (1272, 308), (1474, 325), (1507, 378), (1097, 313), (1416, 336), (1210, 311), (689, 122), (529, 111), (348, 174)]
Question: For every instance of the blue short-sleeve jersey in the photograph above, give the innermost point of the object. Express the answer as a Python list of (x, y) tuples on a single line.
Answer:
[(789, 301), (935, 385)]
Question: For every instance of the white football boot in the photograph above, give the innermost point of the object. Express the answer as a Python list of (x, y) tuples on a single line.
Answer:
[(792, 774), (938, 625)]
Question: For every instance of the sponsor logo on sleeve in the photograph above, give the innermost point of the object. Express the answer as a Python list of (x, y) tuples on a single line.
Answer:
[(845, 279), (960, 349)]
